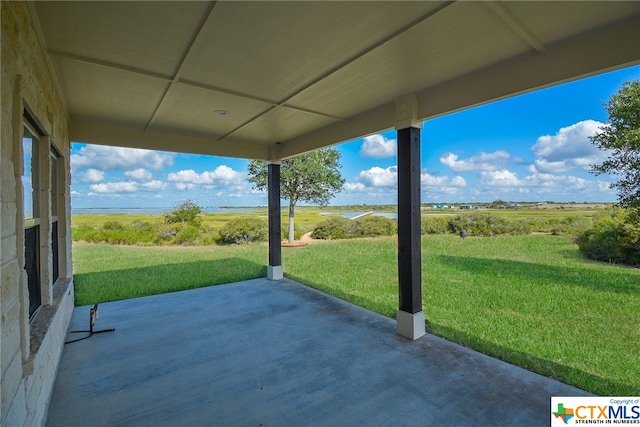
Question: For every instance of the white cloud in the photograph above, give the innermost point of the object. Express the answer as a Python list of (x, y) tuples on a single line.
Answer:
[(184, 187), (154, 185), (499, 178), (355, 187), (458, 181), (605, 187), (379, 177), (92, 176), (557, 183), (127, 187), (119, 158), (569, 147), (140, 174), (436, 186), (428, 180), (481, 162), (373, 181), (545, 166), (115, 187), (221, 176), (378, 147)]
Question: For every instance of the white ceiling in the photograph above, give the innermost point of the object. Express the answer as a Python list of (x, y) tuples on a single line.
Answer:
[(294, 76)]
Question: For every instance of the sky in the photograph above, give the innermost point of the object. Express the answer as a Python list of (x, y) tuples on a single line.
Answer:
[(533, 147)]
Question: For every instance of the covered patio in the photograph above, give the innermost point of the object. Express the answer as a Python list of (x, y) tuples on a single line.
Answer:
[(265, 353), (270, 81)]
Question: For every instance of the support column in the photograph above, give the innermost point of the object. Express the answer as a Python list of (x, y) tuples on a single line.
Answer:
[(410, 317), (274, 271)]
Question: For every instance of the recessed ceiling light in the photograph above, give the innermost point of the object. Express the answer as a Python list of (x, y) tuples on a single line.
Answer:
[(222, 112)]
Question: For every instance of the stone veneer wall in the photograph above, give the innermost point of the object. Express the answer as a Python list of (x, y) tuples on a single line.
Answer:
[(30, 350)]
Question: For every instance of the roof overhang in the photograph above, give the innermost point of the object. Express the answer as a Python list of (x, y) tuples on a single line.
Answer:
[(271, 80)]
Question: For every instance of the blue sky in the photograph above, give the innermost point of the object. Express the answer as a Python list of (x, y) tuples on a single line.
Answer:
[(533, 147)]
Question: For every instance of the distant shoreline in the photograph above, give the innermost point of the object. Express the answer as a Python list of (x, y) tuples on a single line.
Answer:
[(340, 208)]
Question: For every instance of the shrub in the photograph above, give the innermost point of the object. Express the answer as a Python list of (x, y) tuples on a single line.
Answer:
[(481, 224), (435, 225), (570, 225), (332, 228), (187, 235), (86, 232), (344, 228), (187, 212), (112, 226), (244, 230), (615, 238), (145, 226), (167, 233), (209, 237), (372, 226)]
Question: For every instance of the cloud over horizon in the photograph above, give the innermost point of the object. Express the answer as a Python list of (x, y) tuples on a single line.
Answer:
[(102, 157), (480, 162), (376, 146), (569, 148)]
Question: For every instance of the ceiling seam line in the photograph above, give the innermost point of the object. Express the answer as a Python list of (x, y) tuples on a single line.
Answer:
[(255, 98), (369, 49), (183, 60), (273, 107), (507, 17), (247, 122), (349, 61), (107, 64)]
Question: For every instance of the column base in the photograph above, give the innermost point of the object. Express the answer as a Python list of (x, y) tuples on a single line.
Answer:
[(275, 272), (410, 325)]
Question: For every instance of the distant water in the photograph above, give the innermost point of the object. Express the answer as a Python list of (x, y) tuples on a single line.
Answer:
[(353, 214), (156, 211), (208, 209)]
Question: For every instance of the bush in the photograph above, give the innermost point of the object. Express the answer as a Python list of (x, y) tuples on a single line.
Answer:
[(187, 212), (435, 225), (481, 224), (344, 228), (86, 232), (570, 225), (145, 226), (372, 226), (167, 233), (187, 235), (243, 231), (333, 228), (613, 239), (112, 226)]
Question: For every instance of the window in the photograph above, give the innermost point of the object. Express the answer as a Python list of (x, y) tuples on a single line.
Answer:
[(30, 185), (55, 187)]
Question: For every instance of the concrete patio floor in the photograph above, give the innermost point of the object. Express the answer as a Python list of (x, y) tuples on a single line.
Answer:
[(264, 353)]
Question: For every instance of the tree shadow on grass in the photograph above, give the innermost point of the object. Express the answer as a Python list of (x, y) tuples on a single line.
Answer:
[(567, 374), (570, 375), (115, 284), (614, 280)]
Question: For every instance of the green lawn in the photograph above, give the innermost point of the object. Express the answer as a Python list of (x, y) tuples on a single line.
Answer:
[(530, 300)]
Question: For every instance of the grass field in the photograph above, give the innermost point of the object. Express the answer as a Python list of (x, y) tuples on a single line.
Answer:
[(530, 300)]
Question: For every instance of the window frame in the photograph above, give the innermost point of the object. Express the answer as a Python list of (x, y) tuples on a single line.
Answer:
[(32, 223)]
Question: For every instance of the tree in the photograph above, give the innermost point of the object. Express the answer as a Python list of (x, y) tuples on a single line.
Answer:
[(313, 177), (187, 212), (621, 137)]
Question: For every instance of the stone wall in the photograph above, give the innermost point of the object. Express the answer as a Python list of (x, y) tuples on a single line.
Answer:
[(30, 348)]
